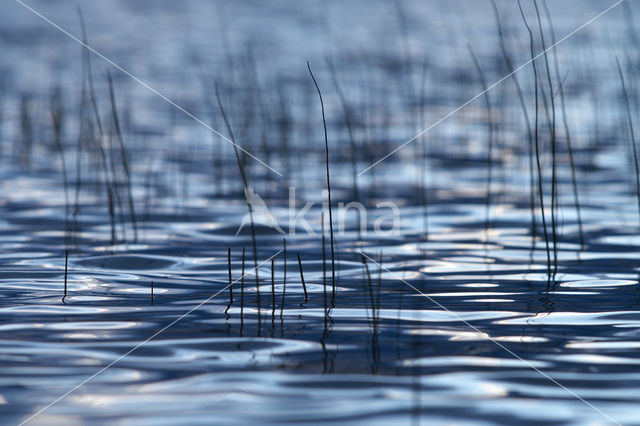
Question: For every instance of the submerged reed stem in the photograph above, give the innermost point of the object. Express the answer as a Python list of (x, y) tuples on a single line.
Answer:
[(246, 191), (324, 267), (284, 278), (273, 294), (242, 294), (230, 281), (304, 286), (66, 263)]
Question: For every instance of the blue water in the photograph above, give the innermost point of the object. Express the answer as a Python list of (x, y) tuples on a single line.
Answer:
[(457, 317)]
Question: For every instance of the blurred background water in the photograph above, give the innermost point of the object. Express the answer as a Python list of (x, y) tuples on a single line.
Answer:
[(462, 316)]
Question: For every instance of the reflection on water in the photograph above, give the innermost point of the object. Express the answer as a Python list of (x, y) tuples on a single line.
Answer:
[(379, 347)]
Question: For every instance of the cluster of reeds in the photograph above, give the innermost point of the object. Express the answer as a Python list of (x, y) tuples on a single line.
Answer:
[(260, 119)]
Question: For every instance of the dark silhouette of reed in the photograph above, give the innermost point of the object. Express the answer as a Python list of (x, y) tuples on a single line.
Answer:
[(634, 150), (273, 295), (96, 137), (242, 295), (422, 158), (57, 118), (407, 63), (324, 269), (284, 278), (488, 106), (66, 263), (565, 123), (124, 158), (554, 167), (536, 138), (26, 131), (304, 285), (249, 206), (348, 120), (230, 281), (374, 318), (326, 147), (523, 106), (217, 162)]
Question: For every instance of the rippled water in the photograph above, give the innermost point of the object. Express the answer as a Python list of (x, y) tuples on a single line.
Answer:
[(454, 318)]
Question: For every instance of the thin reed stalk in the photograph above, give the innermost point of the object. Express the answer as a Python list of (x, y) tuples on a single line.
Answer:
[(326, 147), (57, 117), (348, 120), (634, 150), (284, 279), (124, 158), (230, 281), (242, 294), (523, 106), (374, 321), (273, 294), (487, 99), (304, 285), (249, 206), (536, 139), (565, 122), (554, 183), (109, 187), (324, 268), (66, 263)]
